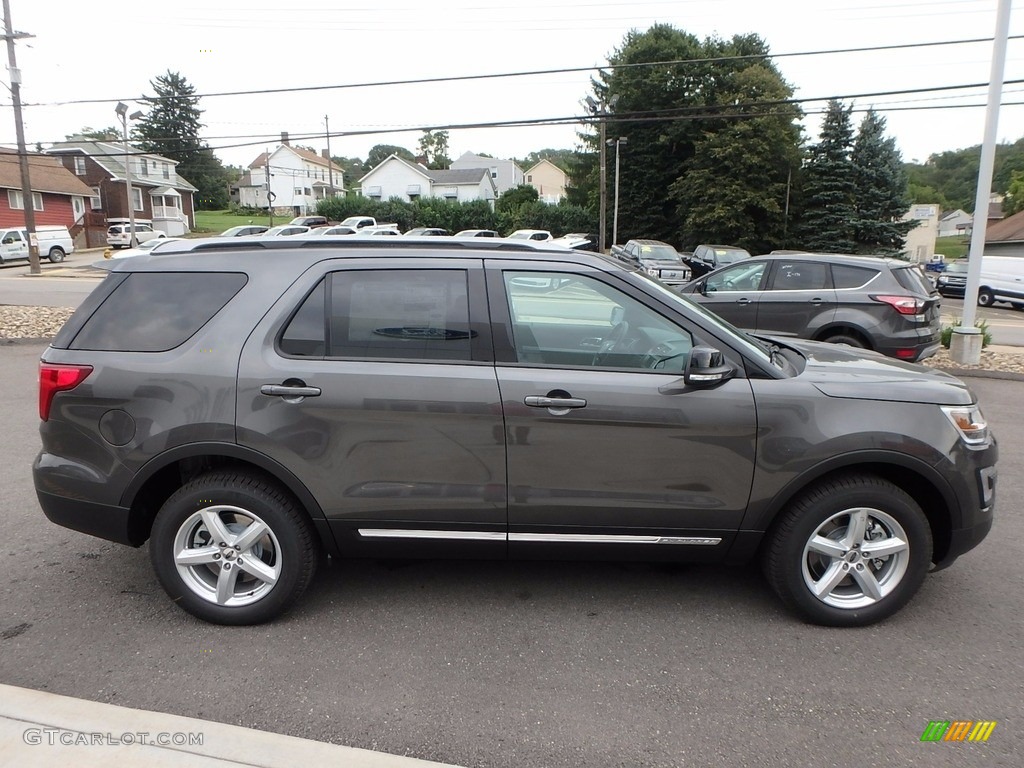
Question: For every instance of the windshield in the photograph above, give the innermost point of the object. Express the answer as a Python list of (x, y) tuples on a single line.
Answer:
[(728, 256), (663, 252), (959, 267)]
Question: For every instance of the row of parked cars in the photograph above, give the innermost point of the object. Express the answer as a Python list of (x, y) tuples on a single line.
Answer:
[(885, 305)]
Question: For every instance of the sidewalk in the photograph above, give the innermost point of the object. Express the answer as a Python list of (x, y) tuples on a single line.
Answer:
[(44, 730)]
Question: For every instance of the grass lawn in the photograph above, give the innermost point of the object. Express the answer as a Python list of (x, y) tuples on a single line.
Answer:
[(952, 247), (218, 221)]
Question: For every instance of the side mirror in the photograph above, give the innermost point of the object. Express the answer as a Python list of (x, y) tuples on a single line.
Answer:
[(707, 367), (8, 240), (618, 313), (703, 288)]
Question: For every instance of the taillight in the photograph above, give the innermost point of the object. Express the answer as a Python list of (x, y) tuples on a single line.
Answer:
[(905, 305), (55, 378)]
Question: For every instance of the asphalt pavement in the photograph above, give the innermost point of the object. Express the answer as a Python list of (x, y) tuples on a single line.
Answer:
[(496, 664)]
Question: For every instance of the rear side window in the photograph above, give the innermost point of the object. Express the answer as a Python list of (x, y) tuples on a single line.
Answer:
[(845, 276), (157, 311), (394, 314), (800, 276), (913, 279)]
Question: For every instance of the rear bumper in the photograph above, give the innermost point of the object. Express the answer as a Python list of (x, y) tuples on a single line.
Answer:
[(101, 520)]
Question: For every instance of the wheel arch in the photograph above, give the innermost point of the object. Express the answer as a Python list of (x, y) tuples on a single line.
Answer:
[(164, 474), (920, 481), (844, 329)]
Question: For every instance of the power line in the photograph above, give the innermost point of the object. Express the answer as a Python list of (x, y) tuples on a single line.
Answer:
[(532, 73)]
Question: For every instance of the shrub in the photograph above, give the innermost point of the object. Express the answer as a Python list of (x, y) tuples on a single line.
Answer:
[(947, 332)]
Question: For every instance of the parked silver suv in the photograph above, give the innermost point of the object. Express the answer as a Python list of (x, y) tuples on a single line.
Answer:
[(247, 405)]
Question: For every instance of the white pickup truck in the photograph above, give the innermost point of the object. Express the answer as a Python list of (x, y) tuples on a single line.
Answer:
[(362, 222), (54, 243)]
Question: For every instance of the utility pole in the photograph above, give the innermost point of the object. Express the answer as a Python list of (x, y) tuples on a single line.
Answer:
[(604, 179), (330, 165), (27, 203)]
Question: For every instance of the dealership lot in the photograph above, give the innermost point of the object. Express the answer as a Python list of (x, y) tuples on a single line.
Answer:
[(498, 664)]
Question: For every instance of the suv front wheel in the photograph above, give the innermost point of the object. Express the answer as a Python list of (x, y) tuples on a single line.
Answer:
[(232, 548), (849, 552)]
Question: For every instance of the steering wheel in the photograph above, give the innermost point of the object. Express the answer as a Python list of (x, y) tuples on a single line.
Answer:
[(613, 340)]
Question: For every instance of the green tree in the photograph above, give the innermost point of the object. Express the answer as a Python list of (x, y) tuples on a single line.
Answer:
[(513, 198), (1014, 200), (829, 216), (880, 190), (170, 127), (381, 152), (354, 169), (433, 146), (686, 164)]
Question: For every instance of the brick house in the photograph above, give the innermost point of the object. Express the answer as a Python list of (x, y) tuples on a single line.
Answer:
[(58, 196), (160, 196)]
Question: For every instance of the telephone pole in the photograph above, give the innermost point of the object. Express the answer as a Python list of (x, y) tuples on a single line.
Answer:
[(26, 184), (330, 164)]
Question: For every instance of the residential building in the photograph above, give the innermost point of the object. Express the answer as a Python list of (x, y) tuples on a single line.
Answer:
[(159, 195), (920, 242), (1005, 237), (299, 180), (58, 196), (408, 181), (956, 223), (549, 180), (505, 174)]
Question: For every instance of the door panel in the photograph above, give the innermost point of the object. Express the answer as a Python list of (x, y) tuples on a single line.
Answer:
[(393, 448)]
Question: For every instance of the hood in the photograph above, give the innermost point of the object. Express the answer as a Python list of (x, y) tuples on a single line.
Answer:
[(856, 374)]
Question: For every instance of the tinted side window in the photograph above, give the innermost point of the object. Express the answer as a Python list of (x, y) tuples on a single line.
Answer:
[(844, 276), (157, 311), (306, 332), (742, 277), (400, 314), (800, 276)]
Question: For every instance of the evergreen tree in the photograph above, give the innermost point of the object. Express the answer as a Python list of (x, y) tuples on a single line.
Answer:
[(829, 217), (170, 127), (880, 190)]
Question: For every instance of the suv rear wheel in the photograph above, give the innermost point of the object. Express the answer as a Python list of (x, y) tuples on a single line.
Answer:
[(849, 552), (232, 548), (846, 338)]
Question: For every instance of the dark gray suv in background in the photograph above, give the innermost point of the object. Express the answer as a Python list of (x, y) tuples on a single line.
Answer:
[(885, 305), (249, 405)]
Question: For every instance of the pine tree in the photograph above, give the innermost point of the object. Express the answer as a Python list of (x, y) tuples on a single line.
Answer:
[(880, 190), (170, 127), (829, 218)]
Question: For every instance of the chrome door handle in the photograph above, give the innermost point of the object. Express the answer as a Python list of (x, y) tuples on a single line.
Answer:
[(282, 390), (742, 301), (537, 401)]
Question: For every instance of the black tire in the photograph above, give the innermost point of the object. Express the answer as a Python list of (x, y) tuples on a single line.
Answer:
[(845, 338), (1019, 307), (791, 565), (986, 298), (56, 255), (285, 553)]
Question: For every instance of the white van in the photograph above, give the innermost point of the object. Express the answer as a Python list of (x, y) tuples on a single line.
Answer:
[(1002, 279), (54, 243)]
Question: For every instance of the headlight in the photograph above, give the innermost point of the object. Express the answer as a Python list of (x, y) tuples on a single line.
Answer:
[(652, 272), (969, 422)]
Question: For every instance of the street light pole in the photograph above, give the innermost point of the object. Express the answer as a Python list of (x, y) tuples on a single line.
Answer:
[(27, 204), (615, 214), (122, 112)]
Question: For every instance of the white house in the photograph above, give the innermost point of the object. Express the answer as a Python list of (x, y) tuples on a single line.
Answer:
[(299, 179), (549, 180), (408, 181), (920, 243), (956, 223), (505, 173)]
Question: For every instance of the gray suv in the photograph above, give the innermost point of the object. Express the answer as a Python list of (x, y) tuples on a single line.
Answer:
[(248, 406), (885, 305)]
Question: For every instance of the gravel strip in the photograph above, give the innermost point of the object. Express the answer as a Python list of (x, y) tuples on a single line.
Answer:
[(44, 322)]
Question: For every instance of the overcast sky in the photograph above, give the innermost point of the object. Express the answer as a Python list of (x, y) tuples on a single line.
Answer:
[(111, 50)]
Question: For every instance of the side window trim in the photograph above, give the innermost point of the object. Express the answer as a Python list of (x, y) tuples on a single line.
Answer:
[(481, 344)]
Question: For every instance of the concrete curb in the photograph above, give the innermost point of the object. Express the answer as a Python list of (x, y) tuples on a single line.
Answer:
[(46, 730)]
